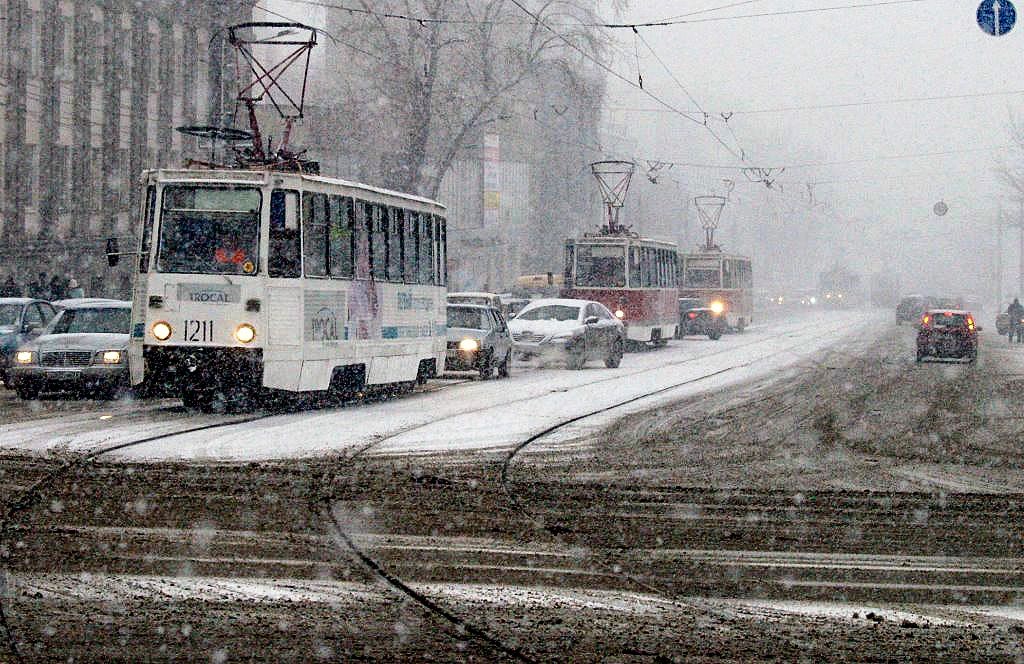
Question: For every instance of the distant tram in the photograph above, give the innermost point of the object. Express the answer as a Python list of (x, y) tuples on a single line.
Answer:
[(725, 282), (255, 280), (634, 277)]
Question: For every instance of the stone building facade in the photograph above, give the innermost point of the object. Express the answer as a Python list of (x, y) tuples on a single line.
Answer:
[(90, 93)]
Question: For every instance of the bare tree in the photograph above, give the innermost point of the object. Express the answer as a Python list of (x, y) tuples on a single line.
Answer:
[(427, 90)]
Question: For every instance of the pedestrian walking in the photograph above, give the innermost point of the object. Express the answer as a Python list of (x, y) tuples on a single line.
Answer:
[(58, 289)]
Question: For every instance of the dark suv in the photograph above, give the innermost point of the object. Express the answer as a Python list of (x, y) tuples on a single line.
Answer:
[(695, 317), (945, 333)]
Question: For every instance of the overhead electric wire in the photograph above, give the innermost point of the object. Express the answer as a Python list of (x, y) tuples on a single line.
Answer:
[(609, 70), (679, 20)]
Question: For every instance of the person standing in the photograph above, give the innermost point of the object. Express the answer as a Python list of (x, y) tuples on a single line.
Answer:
[(39, 288), (58, 289), (1016, 312), (74, 290), (10, 288)]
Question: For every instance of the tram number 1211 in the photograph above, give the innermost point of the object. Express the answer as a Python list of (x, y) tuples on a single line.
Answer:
[(198, 330)]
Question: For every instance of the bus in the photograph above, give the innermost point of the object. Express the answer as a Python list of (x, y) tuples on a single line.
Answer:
[(724, 282), (633, 277), (258, 280)]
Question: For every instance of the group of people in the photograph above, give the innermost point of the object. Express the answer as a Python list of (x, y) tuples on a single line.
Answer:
[(53, 288)]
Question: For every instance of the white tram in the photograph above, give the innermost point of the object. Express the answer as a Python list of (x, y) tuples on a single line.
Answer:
[(254, 280)]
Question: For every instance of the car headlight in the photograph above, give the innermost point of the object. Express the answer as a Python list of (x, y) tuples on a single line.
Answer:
[(109, 356), (469, 345), (620, 314), (161, 331), (245, 333), (717, 306), (24, 357)]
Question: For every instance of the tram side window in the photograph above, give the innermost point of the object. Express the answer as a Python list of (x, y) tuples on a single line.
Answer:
[(634, 267), (395, 222), (341, 243), (727, 275), (373, 216), (411, 244), (570, 258), (285, 259), (442, 251), (646, 268), (314, 234), (426, 247), (147, 228)]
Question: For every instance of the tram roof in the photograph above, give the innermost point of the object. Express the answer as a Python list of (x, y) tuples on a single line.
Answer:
[(619, 239), (712, 254), (262, 177)]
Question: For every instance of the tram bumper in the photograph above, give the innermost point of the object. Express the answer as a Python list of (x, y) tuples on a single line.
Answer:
[(171, 370)]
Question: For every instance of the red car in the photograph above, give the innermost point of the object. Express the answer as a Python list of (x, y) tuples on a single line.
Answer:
[(947, 333)]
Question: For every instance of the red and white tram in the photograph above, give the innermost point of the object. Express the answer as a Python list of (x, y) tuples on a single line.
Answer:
[(634, 277), (725, 282)]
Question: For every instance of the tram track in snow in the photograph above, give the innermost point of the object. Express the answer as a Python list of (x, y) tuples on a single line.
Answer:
[(321, 503)]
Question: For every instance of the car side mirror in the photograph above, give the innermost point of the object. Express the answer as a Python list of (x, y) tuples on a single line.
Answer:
[(590, 320), (32, 328)]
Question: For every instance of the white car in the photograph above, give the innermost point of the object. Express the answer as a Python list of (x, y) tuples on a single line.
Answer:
[(572, 330)]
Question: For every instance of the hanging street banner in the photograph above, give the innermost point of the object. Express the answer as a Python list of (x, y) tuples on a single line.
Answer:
[(492, 179)]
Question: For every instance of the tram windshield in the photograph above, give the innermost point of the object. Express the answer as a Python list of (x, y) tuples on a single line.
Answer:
[(600, 266), (210, 230), (703, 274), (102, 320)]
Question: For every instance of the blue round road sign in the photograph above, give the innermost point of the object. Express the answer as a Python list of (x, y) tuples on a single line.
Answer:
[(996, 17)]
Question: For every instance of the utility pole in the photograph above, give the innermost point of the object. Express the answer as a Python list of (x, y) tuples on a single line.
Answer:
[(999, 260)]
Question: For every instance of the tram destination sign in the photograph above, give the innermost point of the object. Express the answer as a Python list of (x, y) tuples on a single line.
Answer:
[(209, 293)]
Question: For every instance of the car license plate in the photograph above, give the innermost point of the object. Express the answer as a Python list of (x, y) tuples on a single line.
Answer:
[(64, 375)]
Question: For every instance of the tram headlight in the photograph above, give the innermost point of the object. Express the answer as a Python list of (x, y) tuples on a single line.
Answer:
[(469, 345), (717, 307), (161, 331), (245, 333), (620, 314)]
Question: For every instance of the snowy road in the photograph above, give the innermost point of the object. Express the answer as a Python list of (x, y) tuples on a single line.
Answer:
[(463, 416)]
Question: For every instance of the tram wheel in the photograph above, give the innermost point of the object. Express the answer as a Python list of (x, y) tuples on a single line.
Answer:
[(503, 368)]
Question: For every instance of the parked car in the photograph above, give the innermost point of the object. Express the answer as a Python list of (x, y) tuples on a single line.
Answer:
[(478, 340), (21, 319), (571, 330), (697, 319), (912, 307), (84, 349), (945, 333)]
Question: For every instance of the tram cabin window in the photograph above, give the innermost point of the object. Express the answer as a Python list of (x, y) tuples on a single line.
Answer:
[(599, 266), (342, 239), (315, 234), (701, 273), (570, 258), (148, 211), (209, 230), (285, 259)]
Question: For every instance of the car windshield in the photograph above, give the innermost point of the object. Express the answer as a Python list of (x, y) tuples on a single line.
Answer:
[(558, 312), (9, 314), (107, 320), (465, 317), (209, 230)]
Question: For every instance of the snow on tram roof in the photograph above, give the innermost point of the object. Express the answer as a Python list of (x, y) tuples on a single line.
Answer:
[(259, 177)]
